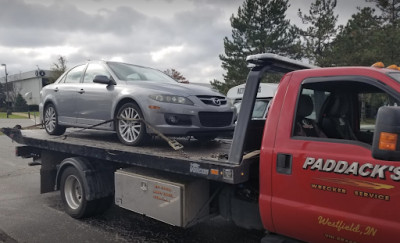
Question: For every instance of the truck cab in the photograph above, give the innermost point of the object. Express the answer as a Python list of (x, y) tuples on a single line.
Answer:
[(319, 180)]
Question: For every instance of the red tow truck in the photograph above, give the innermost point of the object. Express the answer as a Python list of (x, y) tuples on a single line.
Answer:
[(323, 166)]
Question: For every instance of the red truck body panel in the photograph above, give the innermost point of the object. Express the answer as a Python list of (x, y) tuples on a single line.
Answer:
[(356, 203)]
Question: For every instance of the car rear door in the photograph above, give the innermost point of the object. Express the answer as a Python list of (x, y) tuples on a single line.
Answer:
[(331, 189), (65, 93)]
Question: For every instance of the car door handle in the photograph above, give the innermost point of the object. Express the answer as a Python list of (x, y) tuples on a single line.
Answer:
[(284, 164), (81, 91), (56, 89)]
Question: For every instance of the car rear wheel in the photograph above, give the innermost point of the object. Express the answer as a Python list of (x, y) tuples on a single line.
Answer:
[(129, 128), (50, 121)]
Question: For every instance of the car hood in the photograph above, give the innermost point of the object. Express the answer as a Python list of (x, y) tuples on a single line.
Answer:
[(176, 89)]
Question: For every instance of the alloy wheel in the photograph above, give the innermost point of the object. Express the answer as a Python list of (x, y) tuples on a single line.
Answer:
[(50, 120), (129, 124)]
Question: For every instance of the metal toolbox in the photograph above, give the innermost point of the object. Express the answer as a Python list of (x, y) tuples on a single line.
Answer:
[(171, 198)]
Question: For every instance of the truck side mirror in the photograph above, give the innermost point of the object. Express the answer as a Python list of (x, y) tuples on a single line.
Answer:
[(385, 145)]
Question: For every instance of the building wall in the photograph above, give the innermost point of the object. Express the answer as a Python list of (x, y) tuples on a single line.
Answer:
[(29, 89), (28, 84)]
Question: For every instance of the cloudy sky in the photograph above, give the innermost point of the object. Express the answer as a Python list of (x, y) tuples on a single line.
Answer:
[(186, 35)]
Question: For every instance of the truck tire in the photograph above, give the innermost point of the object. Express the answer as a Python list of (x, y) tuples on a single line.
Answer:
[(131, 133), (50, 120), (73, 195)]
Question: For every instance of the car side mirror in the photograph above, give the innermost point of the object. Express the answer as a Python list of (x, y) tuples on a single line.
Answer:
[(385, 145), (102, 79)]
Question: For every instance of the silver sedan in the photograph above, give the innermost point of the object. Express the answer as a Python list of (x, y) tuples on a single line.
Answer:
[(124, 98)]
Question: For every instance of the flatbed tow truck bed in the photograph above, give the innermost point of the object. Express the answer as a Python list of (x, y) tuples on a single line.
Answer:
[(205, 160)]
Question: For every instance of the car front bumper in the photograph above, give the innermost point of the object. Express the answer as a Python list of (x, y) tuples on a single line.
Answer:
[(189, 120)]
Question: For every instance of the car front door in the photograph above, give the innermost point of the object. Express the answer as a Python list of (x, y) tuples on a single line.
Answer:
[(327, 186), (95, 100)]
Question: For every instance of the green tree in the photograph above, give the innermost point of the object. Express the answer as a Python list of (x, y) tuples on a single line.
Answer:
[(359, 42), (58, 68), (173, 73), (390, 32), (20, 103), (320, 33), (260, 26), (389, 9)]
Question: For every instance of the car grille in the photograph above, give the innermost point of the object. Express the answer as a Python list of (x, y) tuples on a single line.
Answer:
[(215, 119), (212, 100)]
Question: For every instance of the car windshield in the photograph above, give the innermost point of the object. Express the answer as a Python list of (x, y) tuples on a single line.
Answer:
[(129, 72)]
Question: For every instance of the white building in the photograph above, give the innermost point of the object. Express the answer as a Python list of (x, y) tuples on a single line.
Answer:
[(28, 84)]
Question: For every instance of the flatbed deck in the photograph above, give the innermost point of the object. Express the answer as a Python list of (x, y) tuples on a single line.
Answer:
[(206, 160)]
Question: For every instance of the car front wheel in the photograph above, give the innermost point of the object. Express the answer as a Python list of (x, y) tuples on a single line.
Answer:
[(50, 121), (129, 128)]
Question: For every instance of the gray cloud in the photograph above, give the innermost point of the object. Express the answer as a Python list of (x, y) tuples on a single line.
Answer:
[(36, 32)]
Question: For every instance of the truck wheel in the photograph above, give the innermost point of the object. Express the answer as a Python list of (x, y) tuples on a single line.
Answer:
[(73, 194), (50, 120), (130, 132)]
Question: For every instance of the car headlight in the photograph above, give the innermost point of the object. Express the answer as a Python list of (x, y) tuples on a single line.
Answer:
[(174, 99)]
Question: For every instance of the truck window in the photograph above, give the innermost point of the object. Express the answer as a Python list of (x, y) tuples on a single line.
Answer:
[(308, 110), (339, 110), (369, 104)]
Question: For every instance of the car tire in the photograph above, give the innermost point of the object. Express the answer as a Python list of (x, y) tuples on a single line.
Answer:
[(50, 121), (73, 194), (131, 133)]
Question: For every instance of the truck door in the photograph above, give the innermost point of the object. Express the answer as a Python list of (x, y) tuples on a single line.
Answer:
[(326, 185)]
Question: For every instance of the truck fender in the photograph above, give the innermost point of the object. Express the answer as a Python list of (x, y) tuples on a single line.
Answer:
[(98, 179)]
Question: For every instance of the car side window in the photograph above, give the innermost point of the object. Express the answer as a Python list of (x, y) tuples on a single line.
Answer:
[(93, 70), (62, 80), (74, 75)]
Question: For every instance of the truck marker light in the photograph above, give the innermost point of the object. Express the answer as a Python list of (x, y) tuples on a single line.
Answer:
[(393, 66), (378, 65), (214, 172), (387, 141)]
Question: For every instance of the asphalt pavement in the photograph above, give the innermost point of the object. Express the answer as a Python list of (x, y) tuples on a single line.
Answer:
[(28, 216), (22, 122)]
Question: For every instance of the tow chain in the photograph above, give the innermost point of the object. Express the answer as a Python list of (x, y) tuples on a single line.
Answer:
[(172, 142)]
